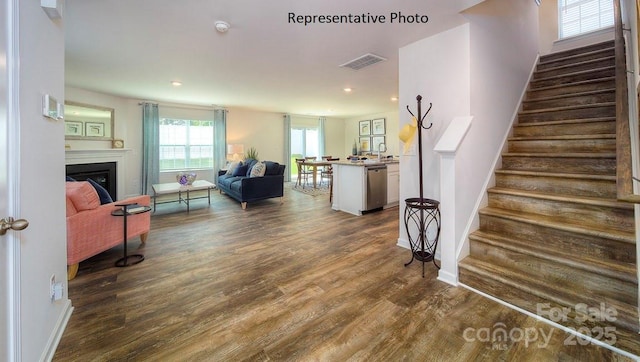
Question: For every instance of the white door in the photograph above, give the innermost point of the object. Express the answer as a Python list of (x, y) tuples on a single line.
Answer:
[(31, 150)]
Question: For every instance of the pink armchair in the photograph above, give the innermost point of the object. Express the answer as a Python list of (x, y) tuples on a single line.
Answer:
[(91, 229)]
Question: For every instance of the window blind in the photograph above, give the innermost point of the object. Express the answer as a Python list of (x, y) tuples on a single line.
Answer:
[(582, 16)]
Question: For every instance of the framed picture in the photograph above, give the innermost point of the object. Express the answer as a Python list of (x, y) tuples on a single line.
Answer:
[(365, 144), (365, 128), (93, 129), (73, 128), (376, 141), (378, 126)]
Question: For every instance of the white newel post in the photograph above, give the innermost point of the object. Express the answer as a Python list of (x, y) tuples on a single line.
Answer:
[(447, 147)]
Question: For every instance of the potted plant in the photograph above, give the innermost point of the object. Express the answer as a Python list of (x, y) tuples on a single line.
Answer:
[(252, 153)]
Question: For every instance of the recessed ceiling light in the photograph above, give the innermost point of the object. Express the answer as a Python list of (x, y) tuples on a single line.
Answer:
[(348, 90), (176, 83), (394, 99)]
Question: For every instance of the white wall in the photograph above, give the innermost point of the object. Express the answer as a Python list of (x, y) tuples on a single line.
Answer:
[(262, 130), (548, 25), (504, 48), (478, 69), (351, 132), (437, 68), (42, 200)]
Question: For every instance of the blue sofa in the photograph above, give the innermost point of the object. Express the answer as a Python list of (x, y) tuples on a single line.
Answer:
[(240, 186)]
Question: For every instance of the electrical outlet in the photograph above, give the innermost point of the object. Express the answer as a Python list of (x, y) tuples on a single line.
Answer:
[(56, 289)]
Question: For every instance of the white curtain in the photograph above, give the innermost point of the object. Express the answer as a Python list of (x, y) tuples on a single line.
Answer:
[(287, 147), (150, 147), (321, 137), (219, 141)]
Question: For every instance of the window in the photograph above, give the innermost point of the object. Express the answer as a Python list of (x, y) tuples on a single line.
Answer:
[(185, 144), (304, 143), (577, 17)]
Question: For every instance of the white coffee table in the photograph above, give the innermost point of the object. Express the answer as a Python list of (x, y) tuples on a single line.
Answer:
[(176, 188)]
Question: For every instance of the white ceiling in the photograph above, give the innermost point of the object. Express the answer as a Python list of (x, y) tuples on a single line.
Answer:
[(135, 48)]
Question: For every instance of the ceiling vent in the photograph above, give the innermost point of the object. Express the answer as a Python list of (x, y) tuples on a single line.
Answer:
[(363, 61)]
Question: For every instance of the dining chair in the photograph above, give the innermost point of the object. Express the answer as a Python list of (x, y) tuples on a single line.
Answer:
[(303, 172), (328, 174), (310, 169)]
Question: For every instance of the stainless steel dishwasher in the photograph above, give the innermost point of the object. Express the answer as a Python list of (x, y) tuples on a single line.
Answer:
[(376, 196)]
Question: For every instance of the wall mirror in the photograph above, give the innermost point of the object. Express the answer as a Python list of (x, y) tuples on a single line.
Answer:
[(87, 122)]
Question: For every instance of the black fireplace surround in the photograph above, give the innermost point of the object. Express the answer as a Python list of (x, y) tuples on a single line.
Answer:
[(103, 173)]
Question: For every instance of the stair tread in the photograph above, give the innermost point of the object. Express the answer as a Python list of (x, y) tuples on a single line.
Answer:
[(570, 95), (561, 154), (570, 137), (607, 46), (578, 83), (566, 121), (585, 200), (553, 223), (618, 270), (559, 174), (539, 287), (564, 108), (570, 65), (580, 72)]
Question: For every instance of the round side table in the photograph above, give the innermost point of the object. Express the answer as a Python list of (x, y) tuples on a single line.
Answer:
[(125, 211)]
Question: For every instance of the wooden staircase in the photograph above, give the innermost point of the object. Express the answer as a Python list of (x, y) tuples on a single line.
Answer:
[(553, 232)]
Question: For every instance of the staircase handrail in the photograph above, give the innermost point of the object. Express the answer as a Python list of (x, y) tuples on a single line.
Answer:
[(624, 165)]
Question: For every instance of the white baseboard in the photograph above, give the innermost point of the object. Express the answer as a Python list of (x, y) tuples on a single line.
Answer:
[(448, 278), (54, 339)]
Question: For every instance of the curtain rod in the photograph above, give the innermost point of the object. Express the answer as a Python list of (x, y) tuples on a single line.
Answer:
[(177, 105)]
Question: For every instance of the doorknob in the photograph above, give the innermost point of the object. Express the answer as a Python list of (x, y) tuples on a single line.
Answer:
[(8, 223)]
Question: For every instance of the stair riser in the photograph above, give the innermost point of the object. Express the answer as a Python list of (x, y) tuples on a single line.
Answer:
[(600, 97), (564, 211), (578, 52), (591, 285), (546, 63), (558, 185), (595, 247), (587, 86), (608, 110), (566, 129), (574, 67), (563, 146), (528, 300), (571, 78), (595, 166)]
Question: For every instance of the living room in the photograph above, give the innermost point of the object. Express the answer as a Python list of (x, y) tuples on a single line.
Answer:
[(456, 68)]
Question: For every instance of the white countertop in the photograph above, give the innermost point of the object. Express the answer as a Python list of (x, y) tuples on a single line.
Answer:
[(367, 162)]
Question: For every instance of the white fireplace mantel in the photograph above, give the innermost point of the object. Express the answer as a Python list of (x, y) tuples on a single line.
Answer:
[(117, 155)]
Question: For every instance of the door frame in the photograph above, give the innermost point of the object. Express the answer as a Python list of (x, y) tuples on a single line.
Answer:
[(10, 183)]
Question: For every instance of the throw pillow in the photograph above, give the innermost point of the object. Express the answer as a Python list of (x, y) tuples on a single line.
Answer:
[(250, 162), (240, 170), (272, 168), (82, 195), (103, 194), (258, 170), (232, 167)]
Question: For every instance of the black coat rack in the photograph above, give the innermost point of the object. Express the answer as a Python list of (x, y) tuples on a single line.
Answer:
[(423, 214)]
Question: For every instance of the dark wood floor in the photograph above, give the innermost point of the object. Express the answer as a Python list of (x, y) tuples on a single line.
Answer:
[(293, 281)]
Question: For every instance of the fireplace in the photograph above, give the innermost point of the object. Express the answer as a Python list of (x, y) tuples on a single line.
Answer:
[(103, 173)]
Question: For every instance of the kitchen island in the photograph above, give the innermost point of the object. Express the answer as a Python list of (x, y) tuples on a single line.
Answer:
[(364, 186)]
